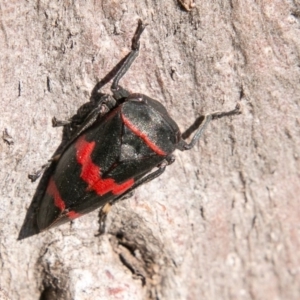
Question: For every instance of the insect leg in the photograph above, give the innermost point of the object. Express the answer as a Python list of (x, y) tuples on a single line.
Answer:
[(34, 176), (86, 115), (183, 145), (106, 208), (116, 89)]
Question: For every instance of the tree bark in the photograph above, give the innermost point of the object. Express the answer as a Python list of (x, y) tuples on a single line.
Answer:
[(223, 221)]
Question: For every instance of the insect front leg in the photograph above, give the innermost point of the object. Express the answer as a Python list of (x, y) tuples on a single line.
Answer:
[(84, 118), (118, 91), (105, 103), (183, 145)]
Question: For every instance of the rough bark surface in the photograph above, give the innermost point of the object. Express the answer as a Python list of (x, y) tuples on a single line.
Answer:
[(223, 221)]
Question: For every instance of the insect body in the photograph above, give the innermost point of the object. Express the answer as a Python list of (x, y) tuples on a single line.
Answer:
[(120, 142)]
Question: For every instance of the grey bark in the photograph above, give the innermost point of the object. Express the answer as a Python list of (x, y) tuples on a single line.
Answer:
[(223, 220)]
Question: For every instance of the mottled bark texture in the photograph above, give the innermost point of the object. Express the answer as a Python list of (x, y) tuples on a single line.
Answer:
[(223, 221)]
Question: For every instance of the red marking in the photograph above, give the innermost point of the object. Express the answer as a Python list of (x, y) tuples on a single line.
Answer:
[(73, 215), (143, 136), (53, 191), (58, 201), (91, 173)]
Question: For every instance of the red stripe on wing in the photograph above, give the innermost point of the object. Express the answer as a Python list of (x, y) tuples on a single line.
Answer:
[(73, 215), (58, 201), (143, 136), (91, 173)]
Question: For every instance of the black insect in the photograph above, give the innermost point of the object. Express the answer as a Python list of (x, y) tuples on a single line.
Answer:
[(115, 144)]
